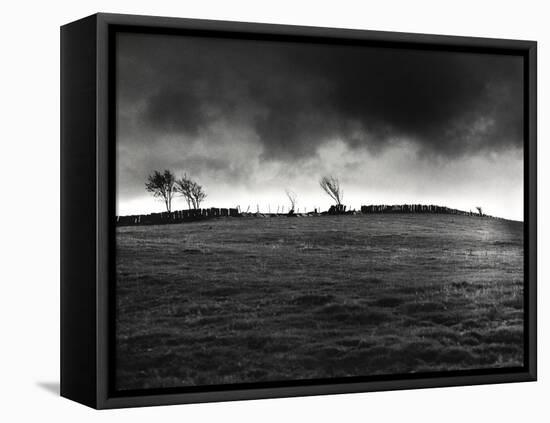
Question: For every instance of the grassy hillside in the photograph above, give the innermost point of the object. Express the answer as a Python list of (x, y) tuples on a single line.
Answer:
[(248, 299)]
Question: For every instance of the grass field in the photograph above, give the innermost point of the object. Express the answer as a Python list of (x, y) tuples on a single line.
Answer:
[(237, 300)]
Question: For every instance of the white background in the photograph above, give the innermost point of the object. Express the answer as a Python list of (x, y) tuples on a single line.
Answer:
[(29, 154)]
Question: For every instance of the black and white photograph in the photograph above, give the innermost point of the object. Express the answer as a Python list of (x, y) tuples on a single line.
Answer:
[(294, 210), (276, 211)]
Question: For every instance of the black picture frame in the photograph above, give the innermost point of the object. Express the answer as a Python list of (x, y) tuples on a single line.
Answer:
[(88, 201)]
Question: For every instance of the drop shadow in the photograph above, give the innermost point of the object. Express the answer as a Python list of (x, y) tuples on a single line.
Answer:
[(51, 387)]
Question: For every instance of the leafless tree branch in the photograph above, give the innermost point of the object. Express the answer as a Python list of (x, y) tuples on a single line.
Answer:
[(292, 198), (162, 185), (331, 186)]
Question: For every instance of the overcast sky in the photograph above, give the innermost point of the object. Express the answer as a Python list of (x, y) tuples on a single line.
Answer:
[(248, 119)]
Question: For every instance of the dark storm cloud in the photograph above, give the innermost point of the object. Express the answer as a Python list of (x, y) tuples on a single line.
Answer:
[(295, 97)]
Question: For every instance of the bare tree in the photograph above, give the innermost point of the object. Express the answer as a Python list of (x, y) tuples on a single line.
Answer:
[(183, 187), (197, 195), (191, 191), (162, 185), (331, 186), (292, 198), (479, 210)]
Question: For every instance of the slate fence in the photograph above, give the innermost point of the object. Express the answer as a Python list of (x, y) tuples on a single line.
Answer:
[(415, 208), (178, 216), (192, 215)]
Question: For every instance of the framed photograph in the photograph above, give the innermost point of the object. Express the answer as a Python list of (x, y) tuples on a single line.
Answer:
[(253, 211)]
